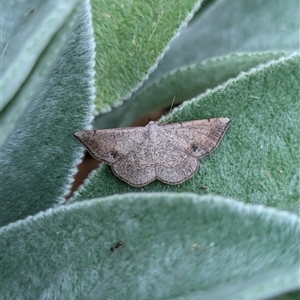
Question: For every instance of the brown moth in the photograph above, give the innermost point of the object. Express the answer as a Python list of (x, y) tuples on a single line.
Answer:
[(169, 153)]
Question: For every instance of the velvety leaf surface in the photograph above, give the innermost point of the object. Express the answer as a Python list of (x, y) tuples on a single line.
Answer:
[(180, 85), (38, 160), (219, 29), (32, 35), (257, 161), (131, 37), (232, 26), (175, 246)]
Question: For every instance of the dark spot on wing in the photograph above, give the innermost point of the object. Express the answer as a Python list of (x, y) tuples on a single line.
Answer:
[(114, 154), (194, 147)]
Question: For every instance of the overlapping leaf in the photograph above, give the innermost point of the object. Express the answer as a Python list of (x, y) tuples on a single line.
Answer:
[(39, 159), (131, 37), (257, 160), (175, 246), (32, 36)]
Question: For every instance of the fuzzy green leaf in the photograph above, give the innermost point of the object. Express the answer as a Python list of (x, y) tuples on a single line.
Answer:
[(257, 160), (234, 26), (254, 26), (181, 85), (175, 246), (38, 161), (33, 33), (130, 38)]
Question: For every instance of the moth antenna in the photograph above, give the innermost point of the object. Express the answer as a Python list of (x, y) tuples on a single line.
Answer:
[(171, 107)]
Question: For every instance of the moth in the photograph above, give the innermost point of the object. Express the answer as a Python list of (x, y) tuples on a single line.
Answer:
[(169, 153)]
